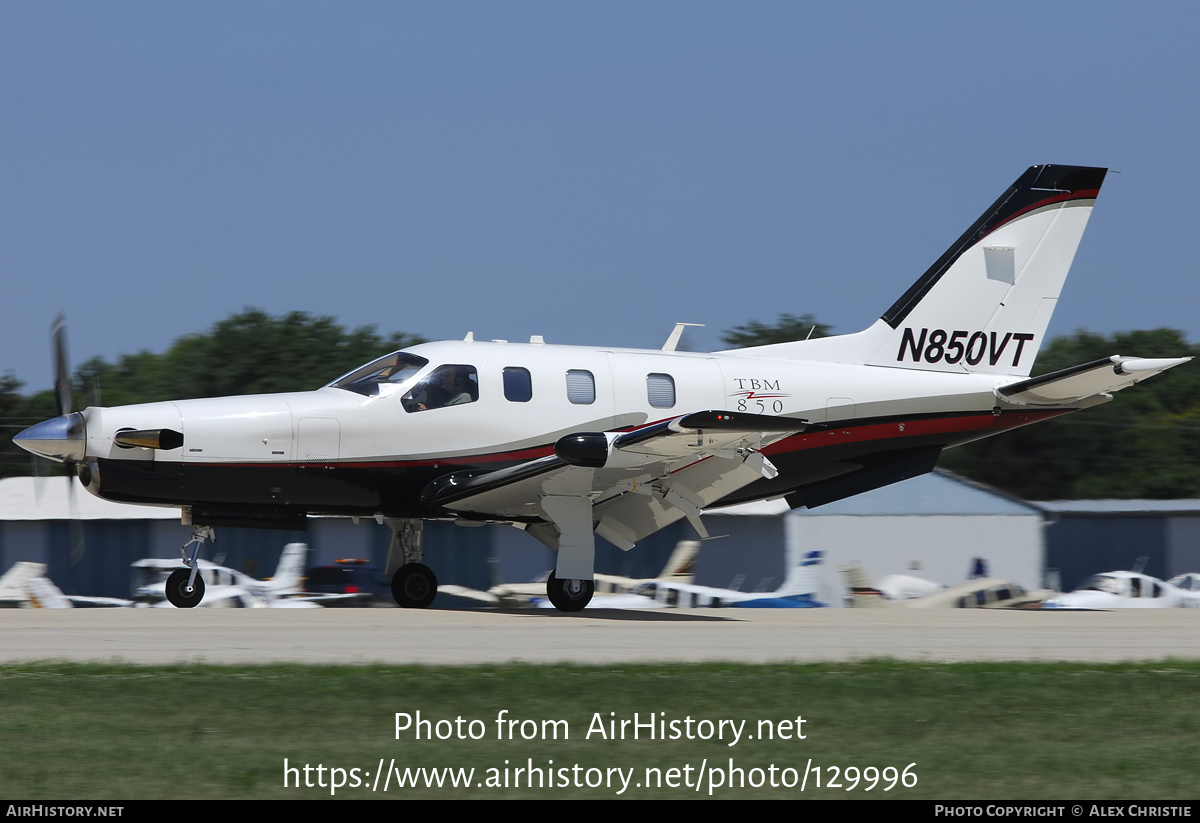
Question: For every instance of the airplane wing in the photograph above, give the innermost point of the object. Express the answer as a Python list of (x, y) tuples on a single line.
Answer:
[(636, 481), (1088, 380)]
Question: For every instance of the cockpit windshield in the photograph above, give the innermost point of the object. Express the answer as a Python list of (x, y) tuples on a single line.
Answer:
[(381, 376)]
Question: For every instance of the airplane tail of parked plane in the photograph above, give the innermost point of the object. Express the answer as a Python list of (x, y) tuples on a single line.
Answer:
[(13, 582), (798, 589), (984, 305), (290, 571), (862, 594)]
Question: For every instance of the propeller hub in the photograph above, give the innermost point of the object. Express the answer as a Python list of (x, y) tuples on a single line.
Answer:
[(63, 438)]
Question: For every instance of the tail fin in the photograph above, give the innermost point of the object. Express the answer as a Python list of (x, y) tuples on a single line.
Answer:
[(802, 576), (682, 561), (13, 581), (43, 594), (862, 593), (985, 304), (291, 566)]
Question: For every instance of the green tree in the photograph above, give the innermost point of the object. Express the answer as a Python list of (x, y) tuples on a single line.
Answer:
[(247, 353), (786, 329)]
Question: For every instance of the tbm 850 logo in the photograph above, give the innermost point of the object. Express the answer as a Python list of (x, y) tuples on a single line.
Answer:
[(940, 345)]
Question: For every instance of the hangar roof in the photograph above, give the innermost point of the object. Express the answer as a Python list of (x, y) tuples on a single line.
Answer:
[(1119, 508)]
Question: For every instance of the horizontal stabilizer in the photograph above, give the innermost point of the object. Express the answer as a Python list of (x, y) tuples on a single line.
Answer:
[(1086, 380)]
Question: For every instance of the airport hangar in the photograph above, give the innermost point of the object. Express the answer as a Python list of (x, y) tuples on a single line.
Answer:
[(932, 526)]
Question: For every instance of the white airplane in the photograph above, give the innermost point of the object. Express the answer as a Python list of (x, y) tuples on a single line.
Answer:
[(570, 442), (25, 585), (230, 588), (798, 591), (677, 569), (977, 593), (1127, 590)]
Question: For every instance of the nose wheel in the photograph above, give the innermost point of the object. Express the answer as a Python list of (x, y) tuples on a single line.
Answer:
[(414, 586), (181, 595), (569, 595)]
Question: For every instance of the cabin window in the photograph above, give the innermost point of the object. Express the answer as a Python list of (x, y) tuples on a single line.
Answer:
[(581, 387), (518, 385), (453, 385), (660, 389)]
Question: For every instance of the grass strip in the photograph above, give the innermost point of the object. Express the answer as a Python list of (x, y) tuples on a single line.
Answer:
[(975, 731)]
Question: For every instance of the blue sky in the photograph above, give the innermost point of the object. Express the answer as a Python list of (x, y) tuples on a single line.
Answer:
[(590, 172)]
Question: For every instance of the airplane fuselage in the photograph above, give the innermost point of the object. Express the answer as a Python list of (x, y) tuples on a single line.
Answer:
[(338, 451)]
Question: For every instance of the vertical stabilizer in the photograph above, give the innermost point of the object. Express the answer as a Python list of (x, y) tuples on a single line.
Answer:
[(984, 305), (291, 567)]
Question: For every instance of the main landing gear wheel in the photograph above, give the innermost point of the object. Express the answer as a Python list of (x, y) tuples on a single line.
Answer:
[(179, 594), (414, 586), (569, 595)]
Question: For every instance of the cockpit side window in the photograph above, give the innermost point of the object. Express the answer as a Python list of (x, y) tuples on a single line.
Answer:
[(452, 385), (381, 376)]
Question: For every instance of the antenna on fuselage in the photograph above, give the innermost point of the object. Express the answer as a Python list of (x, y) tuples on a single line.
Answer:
[(673, 339)]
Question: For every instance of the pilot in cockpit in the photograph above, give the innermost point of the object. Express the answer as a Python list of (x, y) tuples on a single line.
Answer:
[(447, 386)]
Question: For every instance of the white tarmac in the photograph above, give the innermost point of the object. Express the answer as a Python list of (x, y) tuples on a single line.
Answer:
[(400, 636)]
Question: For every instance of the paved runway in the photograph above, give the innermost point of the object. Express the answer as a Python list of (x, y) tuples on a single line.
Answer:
[(455, 637)]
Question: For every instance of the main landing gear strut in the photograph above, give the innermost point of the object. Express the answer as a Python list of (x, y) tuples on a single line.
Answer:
[(414, 585), (185, 587)]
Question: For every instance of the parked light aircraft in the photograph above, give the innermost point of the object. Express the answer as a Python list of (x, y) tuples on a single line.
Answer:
[(25, 585), (677, 569), (977, 593), (799, 591), (230, 588), (570, 442), (1127, 590)]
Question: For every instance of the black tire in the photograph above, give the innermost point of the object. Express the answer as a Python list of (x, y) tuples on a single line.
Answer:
[(564, 599), (414, 585), (177, 589)]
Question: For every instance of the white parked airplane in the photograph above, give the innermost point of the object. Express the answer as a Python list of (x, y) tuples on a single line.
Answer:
[(570, 442), (25, 585), (1127, 590), (677, 569), (799, 591), (977, 593), (230, 588)]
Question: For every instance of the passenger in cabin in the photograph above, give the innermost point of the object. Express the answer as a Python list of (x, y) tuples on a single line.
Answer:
[(446, 386)]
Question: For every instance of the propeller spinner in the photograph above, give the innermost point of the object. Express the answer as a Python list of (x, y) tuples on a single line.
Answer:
[(63, 438)]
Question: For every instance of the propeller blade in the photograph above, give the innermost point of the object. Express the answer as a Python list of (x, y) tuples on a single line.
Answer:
[(62, 366), (78, 541)]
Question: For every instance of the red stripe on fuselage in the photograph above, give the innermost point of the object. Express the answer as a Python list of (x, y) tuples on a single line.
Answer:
[(837, 435)]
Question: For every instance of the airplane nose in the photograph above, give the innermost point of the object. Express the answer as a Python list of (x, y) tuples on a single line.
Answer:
[(63, 439)]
